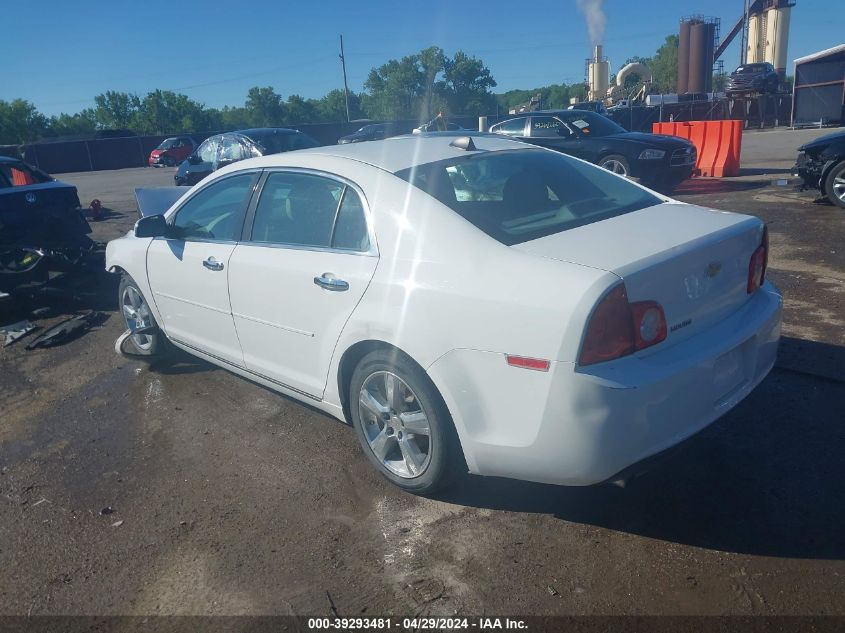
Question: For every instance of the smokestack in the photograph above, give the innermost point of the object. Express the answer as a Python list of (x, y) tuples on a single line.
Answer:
[(597, 57)]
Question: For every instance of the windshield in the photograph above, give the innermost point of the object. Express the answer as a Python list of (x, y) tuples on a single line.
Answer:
[(520, 195), (590, 124), (168, 143), (751, 68)]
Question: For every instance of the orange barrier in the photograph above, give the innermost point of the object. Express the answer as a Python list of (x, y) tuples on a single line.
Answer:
[(718, 144)]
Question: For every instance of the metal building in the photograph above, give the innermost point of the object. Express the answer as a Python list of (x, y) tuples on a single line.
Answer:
[(696, 43), (818, 97)]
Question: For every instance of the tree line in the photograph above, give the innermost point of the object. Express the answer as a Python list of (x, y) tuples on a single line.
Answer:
[(414, 87)]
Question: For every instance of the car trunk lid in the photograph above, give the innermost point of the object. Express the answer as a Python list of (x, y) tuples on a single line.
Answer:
[(693, 261)]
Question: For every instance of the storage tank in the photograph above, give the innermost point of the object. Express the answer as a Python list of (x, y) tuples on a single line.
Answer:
[(683, 57), (777, 39), (754, 53), (598, 74), (700, 57)]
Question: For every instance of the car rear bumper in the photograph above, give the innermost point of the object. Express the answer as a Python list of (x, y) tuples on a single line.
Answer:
[(581, 426)]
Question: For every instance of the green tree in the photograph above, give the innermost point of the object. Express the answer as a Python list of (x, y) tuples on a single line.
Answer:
[(80, 124), (165, 112), (332, 107), (116, 110), (664, 65), (264, 107), (467, 84), (394, 89), (20, 121), (300, 111)]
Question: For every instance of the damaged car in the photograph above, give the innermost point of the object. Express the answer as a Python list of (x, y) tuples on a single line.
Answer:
[(821, 165), (42, 228)]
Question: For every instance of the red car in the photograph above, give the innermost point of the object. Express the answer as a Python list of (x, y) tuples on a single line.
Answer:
[(172, 151)]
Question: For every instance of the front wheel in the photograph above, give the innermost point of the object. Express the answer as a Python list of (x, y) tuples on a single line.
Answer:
[(616, 163), (146, 337), (402, 423), (834, 185)]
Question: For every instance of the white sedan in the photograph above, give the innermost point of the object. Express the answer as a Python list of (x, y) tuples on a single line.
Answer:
[(465, 303)]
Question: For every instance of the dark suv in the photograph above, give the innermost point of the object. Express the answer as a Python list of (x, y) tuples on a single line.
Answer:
[(751, 78)]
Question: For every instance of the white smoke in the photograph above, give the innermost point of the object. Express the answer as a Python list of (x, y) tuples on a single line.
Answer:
[(594, 14)]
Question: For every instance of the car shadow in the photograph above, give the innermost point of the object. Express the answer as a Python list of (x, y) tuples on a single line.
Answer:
[(767, 479)]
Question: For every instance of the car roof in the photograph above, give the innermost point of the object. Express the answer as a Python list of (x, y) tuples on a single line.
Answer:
[(396, 153)]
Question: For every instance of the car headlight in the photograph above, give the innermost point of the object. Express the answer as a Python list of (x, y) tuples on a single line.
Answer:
[(652, 154)]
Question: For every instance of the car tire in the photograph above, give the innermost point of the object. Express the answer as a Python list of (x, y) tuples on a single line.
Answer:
[(834, 185), (616, 163), (402, 423), (136, 313)]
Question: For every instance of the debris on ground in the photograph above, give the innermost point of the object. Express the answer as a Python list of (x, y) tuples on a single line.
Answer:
[(15, 331), (107, 510), (117, 523), (66, 330), (552, 591)]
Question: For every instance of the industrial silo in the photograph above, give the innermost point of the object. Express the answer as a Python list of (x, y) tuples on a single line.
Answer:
[(777, 38), (683, 57), (699, 71)]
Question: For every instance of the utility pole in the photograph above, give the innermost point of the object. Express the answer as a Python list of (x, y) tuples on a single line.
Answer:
[(345, 87), (743, 54)]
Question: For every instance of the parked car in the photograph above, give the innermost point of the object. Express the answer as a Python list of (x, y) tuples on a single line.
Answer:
[(373, 132), (750, 78), (821, 165), (659, 161), (42, 228), (590, 106), (172, 151), (463, 302), (223, 149)]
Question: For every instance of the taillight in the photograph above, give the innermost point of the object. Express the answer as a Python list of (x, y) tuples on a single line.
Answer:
[(618, 328), (758, 263)]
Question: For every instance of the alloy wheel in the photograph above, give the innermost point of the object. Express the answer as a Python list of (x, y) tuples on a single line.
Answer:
[(137, 316), (615, 166), (839, 186), (395, 424)]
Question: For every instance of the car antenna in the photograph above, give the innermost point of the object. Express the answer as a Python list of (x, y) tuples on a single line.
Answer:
[(465, 143)]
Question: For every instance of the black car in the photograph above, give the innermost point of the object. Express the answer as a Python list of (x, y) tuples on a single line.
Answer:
[(41, 225), (821, 165), (656, 160), (374, 132), (753, 78), (223, 149), (591, 106)]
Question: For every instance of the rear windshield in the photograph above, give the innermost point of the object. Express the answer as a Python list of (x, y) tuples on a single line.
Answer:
[(20, 175), (751, 68), (520, 195)]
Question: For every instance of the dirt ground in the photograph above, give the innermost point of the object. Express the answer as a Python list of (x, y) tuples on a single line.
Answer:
[(227, 498)]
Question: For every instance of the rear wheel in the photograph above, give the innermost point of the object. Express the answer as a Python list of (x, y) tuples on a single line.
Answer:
[(616, 163), (834, 185), (146, 337), (402, 423)]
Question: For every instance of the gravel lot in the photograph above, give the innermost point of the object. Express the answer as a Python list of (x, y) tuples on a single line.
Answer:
[(230, 499)]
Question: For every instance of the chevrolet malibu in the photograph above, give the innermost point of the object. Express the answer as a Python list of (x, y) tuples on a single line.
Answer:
[(465, 303)]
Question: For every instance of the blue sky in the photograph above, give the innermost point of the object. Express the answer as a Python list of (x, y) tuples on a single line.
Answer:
[(213, 51)]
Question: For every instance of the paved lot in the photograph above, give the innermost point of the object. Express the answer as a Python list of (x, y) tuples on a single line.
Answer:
[(236, 500)]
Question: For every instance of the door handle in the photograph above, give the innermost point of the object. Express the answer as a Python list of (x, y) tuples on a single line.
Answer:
[(212, 264), (330, 282)]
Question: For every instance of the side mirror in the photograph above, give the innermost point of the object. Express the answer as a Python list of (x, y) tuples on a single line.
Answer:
[(152, 226)]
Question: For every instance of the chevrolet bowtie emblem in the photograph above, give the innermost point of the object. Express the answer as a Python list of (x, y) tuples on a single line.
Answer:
[(713, 269)]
